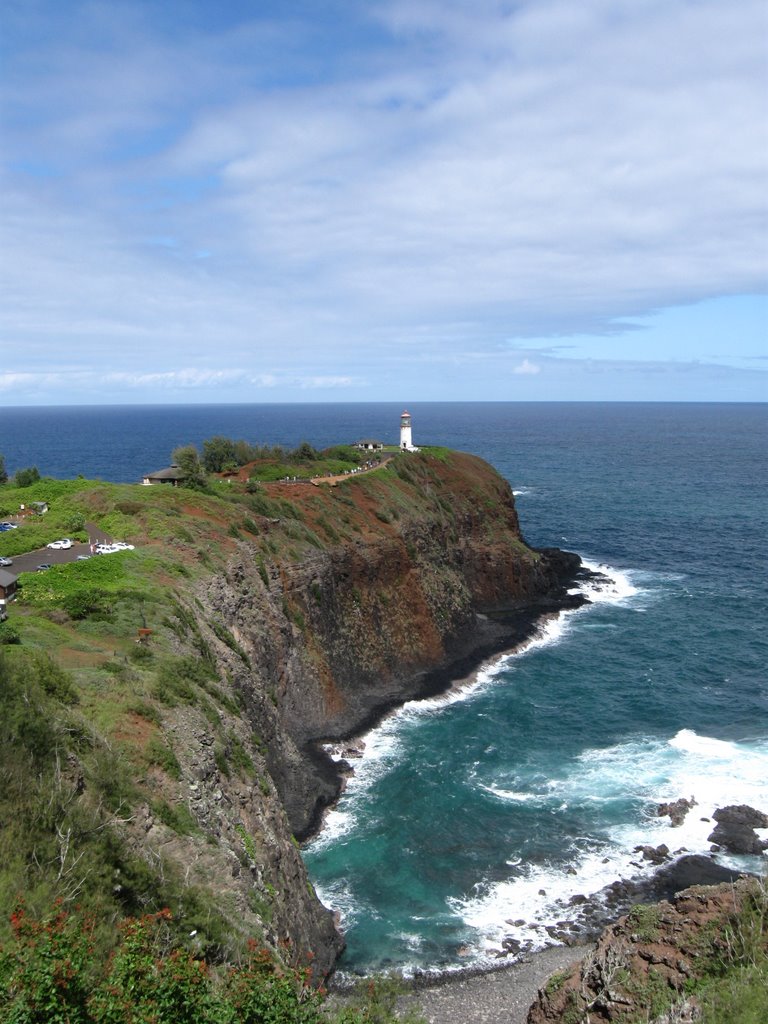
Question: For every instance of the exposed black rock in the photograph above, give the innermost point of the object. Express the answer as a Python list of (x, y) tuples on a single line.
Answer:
[(735, 829), (676, 810)]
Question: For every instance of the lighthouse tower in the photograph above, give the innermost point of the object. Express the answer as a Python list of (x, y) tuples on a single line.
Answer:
[(406, 439)]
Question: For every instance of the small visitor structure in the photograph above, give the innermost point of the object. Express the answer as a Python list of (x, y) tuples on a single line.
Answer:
[(172, 475), (368, 444), (7, 585), (406, 438)]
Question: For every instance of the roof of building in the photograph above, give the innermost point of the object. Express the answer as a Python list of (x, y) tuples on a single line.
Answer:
[(7, 578), (171, 473), (370, 440)]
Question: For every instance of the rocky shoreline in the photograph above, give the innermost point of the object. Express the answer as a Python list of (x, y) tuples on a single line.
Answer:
[(498, 633), (502, 993), (522, 991), (585, 917)]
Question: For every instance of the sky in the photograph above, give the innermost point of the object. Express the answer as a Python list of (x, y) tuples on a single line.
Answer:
[(383, 200)]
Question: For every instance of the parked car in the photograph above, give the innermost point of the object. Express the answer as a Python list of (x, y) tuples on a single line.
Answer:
[(60, 545), (6, 561), (43, 566), (110, 549), (82, 558)]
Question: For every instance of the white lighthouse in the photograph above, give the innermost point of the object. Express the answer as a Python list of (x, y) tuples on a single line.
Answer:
[(406, 438)]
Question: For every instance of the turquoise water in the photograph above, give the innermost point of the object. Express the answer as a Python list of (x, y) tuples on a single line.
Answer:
[(545, 773), (462, 811)]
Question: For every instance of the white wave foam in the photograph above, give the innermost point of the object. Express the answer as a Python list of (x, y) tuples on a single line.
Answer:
[(692, 743), (509, 794), (643, 773), (381, 743), (338, 897), (613, 586)]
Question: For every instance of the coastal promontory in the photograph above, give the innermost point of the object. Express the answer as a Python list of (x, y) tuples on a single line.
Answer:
[(187, 683)]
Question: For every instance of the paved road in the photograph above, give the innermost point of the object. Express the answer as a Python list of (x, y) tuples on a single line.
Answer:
[(30, 561)]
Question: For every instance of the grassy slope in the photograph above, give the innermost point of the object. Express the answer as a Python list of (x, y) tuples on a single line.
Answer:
[(107, 750)]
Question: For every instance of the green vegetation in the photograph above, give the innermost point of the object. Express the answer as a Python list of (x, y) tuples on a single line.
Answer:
[(732, 971), (93, 745), (50, 972), (65, 795), (556, 981), (267, 463), (187, 459), (644, 920), (26, 477)]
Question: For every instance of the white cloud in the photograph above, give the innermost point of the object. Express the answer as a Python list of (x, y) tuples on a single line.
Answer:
[(527, 367), (499, 171), (324, 382)]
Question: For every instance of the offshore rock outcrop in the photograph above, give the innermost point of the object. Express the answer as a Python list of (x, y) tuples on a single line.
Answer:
[(735, 829)]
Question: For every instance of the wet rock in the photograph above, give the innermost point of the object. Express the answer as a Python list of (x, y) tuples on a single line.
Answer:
[(694, 869), (735, 829), (676, 810), (654, 854)]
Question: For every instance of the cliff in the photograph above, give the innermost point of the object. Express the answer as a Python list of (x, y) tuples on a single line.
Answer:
[(427, 573), (273, 618)]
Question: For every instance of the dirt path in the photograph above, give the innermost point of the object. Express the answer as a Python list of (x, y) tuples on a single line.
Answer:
[(331, 481)]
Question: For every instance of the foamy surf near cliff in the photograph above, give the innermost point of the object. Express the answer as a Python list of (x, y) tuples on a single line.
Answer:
[(643, 773), (544, 771)]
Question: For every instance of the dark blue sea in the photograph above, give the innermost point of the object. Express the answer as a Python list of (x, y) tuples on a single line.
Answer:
[(535, 781)]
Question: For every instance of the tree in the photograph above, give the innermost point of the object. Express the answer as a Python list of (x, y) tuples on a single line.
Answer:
[(3, 471), (218, 452), (26, 477), (245, 453), (187, 458), (304, 453)]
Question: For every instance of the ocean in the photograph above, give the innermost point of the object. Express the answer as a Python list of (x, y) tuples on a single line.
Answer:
[(481, 815)]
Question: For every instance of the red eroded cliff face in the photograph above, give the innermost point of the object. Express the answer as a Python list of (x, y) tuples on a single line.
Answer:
[(382, 588)]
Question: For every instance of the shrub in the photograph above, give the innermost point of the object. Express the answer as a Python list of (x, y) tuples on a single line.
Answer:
[(52, 973), (157, 753), (26, 477), (86, 603), (217, 453), (9, 634)]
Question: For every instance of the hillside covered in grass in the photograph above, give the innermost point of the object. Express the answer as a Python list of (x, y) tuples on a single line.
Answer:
[(163, 708)]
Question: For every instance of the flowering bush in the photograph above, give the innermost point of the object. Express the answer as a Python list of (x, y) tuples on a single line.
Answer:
[(49, 975)]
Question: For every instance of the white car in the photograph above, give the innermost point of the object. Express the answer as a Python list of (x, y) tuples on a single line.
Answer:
[(109, 549), (60, 545), (6, 561)]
